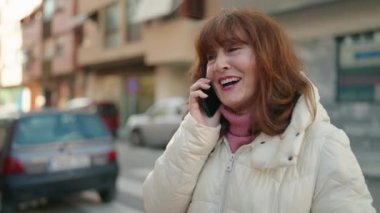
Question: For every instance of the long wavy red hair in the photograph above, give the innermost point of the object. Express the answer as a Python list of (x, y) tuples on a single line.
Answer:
[(279, 80)]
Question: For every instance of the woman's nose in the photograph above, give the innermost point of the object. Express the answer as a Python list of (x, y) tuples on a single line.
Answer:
[(221, 62)]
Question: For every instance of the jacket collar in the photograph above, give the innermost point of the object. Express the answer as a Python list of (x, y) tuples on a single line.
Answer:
[(283, 150)]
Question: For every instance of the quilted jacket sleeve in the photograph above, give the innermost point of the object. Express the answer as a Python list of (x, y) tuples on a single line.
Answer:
[(340, 186), (169, 186)]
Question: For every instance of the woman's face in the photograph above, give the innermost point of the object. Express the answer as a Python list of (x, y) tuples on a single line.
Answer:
[(231, 69)]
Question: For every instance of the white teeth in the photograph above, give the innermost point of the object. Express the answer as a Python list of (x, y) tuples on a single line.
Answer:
[(228, 80)]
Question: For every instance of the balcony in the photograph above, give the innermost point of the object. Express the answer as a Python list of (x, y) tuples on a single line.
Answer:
[(60, 21), (31, 33), (96, 53), (32, 63), (46, 69), (170, 41)]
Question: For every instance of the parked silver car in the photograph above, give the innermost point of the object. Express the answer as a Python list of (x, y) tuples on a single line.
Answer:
[(157, 125), (52, 153)]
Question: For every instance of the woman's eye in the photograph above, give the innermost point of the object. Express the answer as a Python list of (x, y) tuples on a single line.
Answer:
[(232, 49), (210, 57)]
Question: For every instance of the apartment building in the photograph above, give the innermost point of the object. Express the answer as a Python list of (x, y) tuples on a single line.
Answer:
[(33, 51), (49, 45), (137, 51), (339, 42), (140, 51), (61, 40)]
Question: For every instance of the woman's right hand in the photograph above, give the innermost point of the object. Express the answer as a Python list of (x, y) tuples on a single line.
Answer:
[(194, 107)]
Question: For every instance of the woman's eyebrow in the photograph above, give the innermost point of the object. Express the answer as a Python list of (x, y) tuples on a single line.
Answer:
[(234, 39), (234, 42)]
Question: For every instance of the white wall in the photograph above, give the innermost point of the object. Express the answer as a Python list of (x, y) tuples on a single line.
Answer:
[(171, 81)]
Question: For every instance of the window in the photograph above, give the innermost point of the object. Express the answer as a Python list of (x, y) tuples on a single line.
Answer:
[(59, 47), (107, 109), (55, 128), (49, 7), (133, 29), (159, 109), (49, 49), (28, 58), (112, 29), (59, 5), (359, 67), (89, 32)]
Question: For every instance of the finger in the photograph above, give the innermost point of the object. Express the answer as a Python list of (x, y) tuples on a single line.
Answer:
[(205, 80), (198, 93), (199, 86), (203, 83)]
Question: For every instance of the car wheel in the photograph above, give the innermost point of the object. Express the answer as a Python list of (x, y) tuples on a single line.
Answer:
[(136, 138), (107, 195)]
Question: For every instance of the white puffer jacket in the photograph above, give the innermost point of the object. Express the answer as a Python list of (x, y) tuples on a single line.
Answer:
[(308, 168)]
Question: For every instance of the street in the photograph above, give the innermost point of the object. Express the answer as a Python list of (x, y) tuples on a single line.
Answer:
[(135, 163)]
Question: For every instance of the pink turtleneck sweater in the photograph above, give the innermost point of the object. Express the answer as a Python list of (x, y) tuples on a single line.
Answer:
[(239, 130)]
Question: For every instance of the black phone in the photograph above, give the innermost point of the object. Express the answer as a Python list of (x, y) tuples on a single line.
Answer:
[(210, 104)]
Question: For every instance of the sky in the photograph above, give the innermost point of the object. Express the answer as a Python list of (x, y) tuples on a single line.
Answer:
[(17, 9), (11, 12)]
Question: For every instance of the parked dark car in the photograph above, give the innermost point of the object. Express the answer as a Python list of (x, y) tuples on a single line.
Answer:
[(52, 153), (106, 109)]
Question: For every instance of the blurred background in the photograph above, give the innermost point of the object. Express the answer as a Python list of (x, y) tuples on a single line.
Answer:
[(132, 54)]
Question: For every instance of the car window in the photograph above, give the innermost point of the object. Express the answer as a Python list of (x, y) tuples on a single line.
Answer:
[(167, 107), (158, 110), (52, 128), (106, 109)]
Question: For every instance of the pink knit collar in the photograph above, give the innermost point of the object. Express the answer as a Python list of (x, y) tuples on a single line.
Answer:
[(239, 129)]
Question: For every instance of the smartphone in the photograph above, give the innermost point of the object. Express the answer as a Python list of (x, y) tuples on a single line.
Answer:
[(210, 104)]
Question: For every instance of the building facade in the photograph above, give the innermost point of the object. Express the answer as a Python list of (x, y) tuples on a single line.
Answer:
[(135, 52), (49, 45), (339, 41), (33, 56)]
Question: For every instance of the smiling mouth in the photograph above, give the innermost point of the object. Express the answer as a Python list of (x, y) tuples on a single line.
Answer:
[(227, 82)]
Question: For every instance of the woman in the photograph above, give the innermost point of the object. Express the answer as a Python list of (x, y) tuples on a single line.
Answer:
[(270, 146)]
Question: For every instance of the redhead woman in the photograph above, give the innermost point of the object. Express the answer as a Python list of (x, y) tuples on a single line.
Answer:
[(270, 146)]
